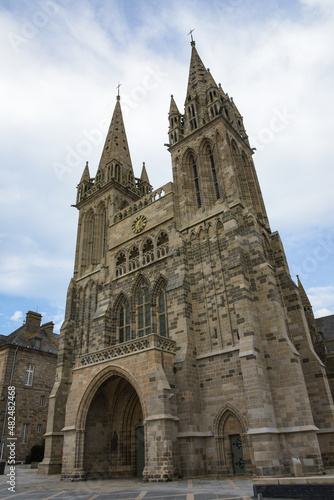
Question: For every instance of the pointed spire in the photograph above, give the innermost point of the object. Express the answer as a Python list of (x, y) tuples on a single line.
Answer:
[(303, 295), (200, 79), (144, 185), (85, 175), (173, 109), (116, 145), (144, 176), (176, 128)]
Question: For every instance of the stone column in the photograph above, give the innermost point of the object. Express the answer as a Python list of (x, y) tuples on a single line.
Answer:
[(52, 461), (79, 472)]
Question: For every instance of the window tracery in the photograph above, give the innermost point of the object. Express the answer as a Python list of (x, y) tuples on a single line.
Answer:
[(162, 245), (120, 264), (134, 258), (162, 323), (124, 333), (144, 311), (148, 252)]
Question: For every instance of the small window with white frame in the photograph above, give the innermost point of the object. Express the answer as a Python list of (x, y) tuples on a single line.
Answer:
[(25, 430), (29, 375)]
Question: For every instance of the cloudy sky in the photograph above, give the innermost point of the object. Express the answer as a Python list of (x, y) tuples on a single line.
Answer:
[(61, 62)]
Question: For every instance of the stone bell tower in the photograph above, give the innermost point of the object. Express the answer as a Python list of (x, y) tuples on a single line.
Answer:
[(219, 164), (185, 348)]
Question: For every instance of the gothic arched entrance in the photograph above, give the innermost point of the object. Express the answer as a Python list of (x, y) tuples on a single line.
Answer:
[(114, 432), (231, 441)]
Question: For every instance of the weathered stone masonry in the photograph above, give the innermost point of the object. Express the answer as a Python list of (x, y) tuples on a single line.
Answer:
[(185, 349)]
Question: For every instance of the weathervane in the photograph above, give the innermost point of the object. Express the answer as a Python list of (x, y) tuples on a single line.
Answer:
[(191, 34)]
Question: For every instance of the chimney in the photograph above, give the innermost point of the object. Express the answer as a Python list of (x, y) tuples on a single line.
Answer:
[(33, 322), (48, 328)]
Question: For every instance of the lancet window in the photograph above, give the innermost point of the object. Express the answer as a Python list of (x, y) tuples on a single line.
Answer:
[(88, 239), (192, 117), (196, 182), (162, 323), (118, 173), (144, 311), (124, 332), (100, 233), (214, 173)]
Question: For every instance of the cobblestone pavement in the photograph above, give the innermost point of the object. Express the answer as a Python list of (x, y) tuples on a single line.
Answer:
[(29, 485)]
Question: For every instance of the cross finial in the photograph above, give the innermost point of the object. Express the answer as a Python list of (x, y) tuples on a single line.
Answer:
[(118, 86), (191, 34)]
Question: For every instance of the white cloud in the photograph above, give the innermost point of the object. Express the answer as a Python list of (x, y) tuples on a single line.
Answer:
[(320, 313), (322, 300), (61, 85), (17, 316)]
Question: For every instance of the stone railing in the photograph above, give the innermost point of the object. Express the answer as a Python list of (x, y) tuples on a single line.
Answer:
[(101, 183), (139, 204), (152, 341)]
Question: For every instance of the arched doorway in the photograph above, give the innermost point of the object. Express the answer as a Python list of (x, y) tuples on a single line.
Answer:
[(232, 449), (114, 432)]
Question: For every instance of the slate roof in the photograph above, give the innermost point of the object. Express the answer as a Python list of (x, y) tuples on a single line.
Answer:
[(41, 341), (325, 326)]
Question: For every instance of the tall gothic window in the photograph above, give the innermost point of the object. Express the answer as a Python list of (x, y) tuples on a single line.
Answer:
[(124, 322), (144, 311), (162, 323), (214, 174), (118, 173), (100, 234), (198, 194), (110, 171), (88, 240)]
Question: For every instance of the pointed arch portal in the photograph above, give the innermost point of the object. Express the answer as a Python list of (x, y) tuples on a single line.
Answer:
[(231, 442), (114, 432)]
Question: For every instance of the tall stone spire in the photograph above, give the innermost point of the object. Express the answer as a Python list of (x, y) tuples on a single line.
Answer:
[(116, 149), (200, 78)]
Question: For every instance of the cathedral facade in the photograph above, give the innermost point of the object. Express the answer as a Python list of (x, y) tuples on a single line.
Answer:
[(185, 348)]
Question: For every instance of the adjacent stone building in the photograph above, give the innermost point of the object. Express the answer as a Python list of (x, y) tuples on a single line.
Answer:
[(185, 348), (28, 359), (325, 326)]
